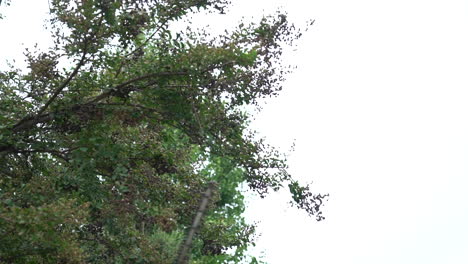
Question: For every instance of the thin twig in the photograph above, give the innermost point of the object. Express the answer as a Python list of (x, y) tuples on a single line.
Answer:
[(139, 48), (146, 41)]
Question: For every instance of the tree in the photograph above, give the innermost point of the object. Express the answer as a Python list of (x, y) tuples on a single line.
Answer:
[(110, 138)]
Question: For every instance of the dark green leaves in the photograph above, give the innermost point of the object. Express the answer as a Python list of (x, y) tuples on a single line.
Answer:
[(107, 159)]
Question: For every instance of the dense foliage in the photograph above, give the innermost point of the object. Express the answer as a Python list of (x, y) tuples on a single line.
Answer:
[(110, 138)]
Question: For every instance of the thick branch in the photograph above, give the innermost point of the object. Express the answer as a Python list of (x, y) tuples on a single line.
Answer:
[(27, 123)]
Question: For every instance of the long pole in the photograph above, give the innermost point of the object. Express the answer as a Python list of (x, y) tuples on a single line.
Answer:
[(183, 256)]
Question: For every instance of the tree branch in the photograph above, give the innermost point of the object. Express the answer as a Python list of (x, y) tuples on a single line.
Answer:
[(28, 122), (146, 41), (56, 93), (125, 84), (67, 81), (131, 105), (56, 153)]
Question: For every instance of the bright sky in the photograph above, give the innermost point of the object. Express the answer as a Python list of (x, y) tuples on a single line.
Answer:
[(378, 108)]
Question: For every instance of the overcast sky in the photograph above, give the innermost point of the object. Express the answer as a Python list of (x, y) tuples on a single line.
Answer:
[(379, 110)]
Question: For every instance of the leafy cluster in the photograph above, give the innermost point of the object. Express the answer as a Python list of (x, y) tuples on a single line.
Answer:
[(109, 138)]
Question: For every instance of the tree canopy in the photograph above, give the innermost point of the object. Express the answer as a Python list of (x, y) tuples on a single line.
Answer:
[(110, 138)]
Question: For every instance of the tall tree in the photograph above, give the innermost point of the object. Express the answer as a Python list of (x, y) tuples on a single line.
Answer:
[(109, 140)]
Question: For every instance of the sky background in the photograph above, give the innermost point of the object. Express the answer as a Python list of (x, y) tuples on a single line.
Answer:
[(378, 111)]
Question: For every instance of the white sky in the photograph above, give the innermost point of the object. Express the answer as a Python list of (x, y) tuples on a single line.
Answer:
[(378, 108)]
